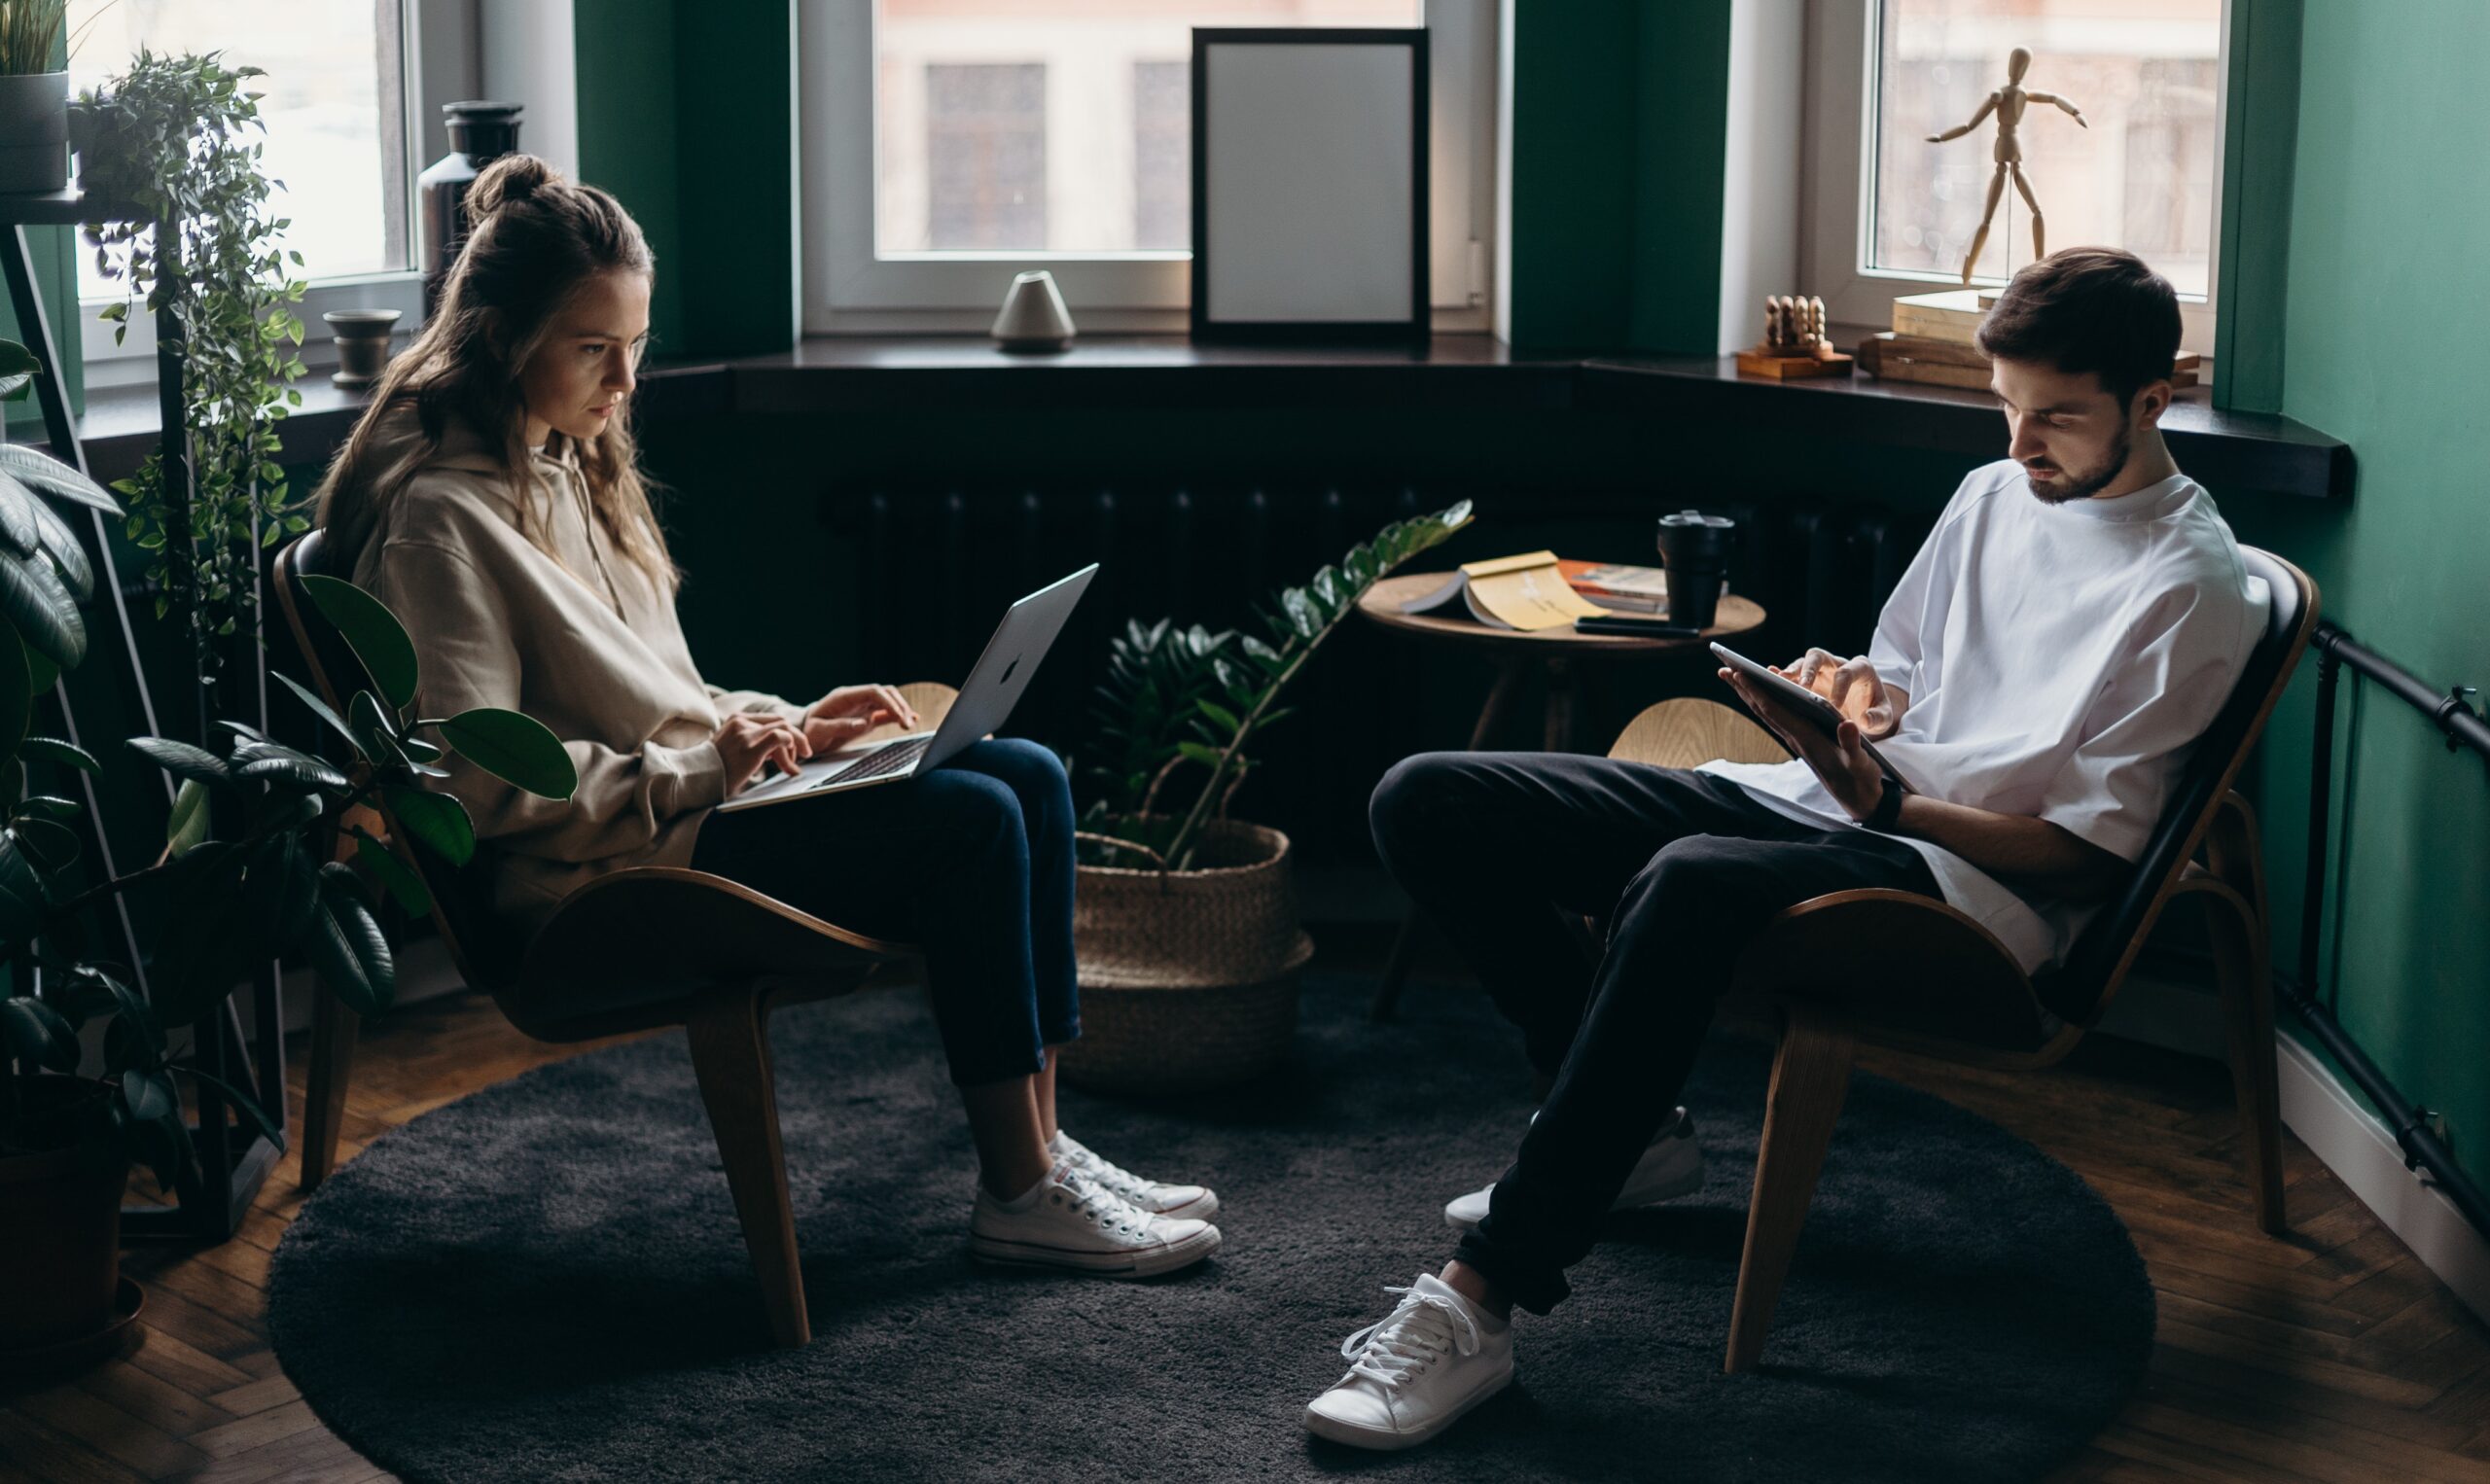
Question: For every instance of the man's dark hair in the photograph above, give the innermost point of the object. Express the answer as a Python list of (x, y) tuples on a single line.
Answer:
[(2095, 309)]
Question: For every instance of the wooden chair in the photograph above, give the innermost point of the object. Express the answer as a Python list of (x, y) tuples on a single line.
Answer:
[(1907, 971), (634, 949)]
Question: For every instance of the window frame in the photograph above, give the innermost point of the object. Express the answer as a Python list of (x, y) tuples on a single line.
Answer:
[(850, 288), (132, 361), (1841, 54)]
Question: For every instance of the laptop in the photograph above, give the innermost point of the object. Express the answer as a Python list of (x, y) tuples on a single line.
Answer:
[(985, 701)]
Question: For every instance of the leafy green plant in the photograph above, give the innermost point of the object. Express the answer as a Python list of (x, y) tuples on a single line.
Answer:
[(29, 31), (174, 141), (261, 892), (1174, 697)]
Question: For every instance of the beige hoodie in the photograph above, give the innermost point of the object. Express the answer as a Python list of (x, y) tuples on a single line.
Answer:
[(590, 646)]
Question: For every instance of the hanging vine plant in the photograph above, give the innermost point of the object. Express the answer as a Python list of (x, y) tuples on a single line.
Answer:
[(176, 140)]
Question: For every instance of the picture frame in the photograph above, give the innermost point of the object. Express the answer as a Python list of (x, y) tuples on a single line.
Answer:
[(1309, 176)]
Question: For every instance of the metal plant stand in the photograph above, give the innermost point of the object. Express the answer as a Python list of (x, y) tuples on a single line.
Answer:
[(234, 1159)]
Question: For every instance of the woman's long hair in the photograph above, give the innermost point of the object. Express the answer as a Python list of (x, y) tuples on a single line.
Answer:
[(534, 238)]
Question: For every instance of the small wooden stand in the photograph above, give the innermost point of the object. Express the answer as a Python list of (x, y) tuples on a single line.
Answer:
[(1760, 363)]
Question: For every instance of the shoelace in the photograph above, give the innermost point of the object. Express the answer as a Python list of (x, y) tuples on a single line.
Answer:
[(1411, 1337), (1132, 1187), (1098, 1203)]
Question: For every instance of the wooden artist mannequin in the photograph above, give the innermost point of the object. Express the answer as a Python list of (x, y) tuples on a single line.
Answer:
[(2006, 103)]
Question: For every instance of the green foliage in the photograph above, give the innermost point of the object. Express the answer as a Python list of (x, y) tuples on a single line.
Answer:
[(175, 140), (1174, 697), (259, 893), (30, 33)]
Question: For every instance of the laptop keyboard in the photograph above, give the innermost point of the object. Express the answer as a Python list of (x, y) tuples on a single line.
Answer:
[(889, 759)]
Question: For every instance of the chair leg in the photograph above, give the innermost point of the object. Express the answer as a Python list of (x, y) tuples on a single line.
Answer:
[(1810, 1078), (2243, 967), (333, 1024), (2244, 972), (730, 1055)]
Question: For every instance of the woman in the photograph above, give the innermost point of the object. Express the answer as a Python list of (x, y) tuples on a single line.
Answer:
[(489, 496)]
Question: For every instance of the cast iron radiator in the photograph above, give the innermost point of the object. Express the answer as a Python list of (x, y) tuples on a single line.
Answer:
[(934, 568)]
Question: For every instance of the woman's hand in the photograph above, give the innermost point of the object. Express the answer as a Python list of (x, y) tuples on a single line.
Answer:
[(1854, 690), (851, 711), (752, 738)]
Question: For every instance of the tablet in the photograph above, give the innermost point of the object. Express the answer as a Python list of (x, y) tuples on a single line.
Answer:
[(1823, 714)]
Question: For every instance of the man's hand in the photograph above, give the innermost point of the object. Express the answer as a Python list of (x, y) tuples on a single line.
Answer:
[(1848, 774), (1854, 690), (851, 711)]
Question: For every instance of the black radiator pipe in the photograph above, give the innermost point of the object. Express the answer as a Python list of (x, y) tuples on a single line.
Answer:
[(2464, 726)]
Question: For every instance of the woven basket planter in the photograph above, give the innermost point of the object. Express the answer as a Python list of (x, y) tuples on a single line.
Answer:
[(1188, 979)]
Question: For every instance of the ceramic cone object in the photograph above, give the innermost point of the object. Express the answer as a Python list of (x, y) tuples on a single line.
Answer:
[(1033, 317)]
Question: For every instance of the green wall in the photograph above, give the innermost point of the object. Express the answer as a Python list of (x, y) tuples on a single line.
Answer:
[(686, 114), (1620, 108), (2384, 266)]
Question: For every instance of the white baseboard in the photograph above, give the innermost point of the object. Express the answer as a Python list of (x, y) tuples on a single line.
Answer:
[(2361, 1152)]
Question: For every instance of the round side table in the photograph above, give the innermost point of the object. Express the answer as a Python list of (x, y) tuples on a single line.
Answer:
[(1516, 652)]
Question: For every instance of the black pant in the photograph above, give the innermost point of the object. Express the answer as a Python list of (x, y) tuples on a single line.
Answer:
[(1682, 870), (972, 861)]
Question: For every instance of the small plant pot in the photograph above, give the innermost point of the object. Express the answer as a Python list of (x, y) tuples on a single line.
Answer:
[(60, 1235), (1188, 979), (34, 123), (363, 344)]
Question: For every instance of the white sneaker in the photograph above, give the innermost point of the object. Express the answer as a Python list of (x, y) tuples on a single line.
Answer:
[(1153, 1196), (1671, 1167), (1069, 1221), (1411, 1376)]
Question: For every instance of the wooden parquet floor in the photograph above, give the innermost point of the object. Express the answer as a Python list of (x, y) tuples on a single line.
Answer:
[(2331, 1356)]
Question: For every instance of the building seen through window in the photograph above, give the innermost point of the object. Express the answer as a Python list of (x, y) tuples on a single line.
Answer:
[(2145, 74), (1052, 126)]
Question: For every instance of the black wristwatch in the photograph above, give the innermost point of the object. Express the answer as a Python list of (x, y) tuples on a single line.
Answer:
[(1888, 811)]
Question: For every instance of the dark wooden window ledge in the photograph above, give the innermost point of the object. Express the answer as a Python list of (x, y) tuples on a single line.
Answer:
[(2229, 451)]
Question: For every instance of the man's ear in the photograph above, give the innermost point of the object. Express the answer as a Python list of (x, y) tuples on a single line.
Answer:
[(2153, 400)]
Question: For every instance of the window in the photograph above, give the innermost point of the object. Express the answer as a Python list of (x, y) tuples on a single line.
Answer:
[(1162, 161), (985, 160), (949, 144), (1894, 214), (337, 113)]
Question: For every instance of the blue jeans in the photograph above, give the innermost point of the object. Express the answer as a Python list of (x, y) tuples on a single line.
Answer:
[(972, 861)]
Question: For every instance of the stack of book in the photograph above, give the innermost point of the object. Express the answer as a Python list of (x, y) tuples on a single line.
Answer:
[(1934, 341), (1618, 586)]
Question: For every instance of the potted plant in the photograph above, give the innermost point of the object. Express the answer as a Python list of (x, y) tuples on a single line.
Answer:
[(1185, 923), (34, 96), (67, 1137), (172, 142)]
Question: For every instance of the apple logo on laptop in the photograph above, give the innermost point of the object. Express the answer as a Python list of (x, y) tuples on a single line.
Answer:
[(1006, 678)]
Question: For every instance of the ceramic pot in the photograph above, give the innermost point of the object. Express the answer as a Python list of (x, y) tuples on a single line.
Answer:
[(34, 123)]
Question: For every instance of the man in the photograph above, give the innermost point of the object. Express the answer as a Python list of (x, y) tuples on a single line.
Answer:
[(2073, 625)]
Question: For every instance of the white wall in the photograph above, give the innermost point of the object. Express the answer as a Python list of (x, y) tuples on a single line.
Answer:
[(1760, 175)]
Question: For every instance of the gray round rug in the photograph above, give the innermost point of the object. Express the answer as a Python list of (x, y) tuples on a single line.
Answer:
[(545, 1281)]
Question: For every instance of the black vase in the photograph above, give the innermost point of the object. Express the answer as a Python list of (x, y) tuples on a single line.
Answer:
[(480, 133)]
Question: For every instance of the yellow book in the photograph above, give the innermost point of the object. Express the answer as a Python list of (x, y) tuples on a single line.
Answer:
[(1527, 592)]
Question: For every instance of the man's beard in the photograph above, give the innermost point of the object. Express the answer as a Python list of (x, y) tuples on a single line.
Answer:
[(2092, 483)]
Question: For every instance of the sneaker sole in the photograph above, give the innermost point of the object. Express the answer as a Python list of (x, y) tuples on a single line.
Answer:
[(1116, 1264), (1349, 1435), (1686, 1184)]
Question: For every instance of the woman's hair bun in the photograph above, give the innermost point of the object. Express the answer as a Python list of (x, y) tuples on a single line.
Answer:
[(511, 178)]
